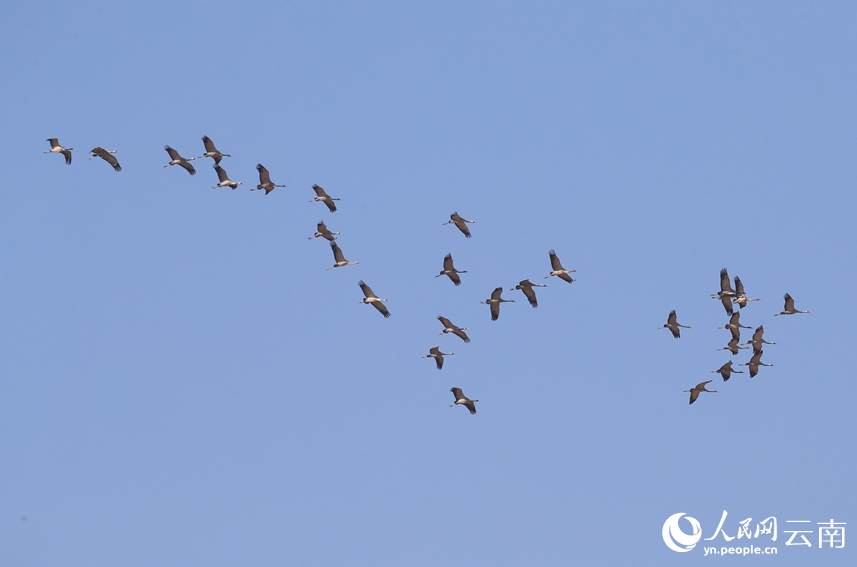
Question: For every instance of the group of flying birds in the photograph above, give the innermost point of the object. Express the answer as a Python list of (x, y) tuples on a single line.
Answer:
[(729, 296), (369, 296)]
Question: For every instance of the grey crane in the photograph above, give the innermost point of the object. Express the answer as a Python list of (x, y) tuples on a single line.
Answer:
[(527, 287), (437, 355), (461, 399), (324, 198), (224, 179), (735, 322), (211, 151), (460, 222), (755, 363), (339, 257), (726, 292), (694, 392), (176, 159), (494, 302), (448, 327), (106, 155), (321, 231), (373, 299), (740, 297), (57, 148), (789, 309), (733, 346), (673, 325), (557, 269), (757, 341), (726, 371), (735, 326), (265, 180), (449, 270)]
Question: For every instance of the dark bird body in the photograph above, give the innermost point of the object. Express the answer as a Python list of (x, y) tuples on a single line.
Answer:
[(322, 232), (694, 392), (494, 302), (460, 223), (324, 198), (450, 271), (755, 363), (448, 327), (56, 148), (265, 180), (461, 399), (437, 355), (376, 301), (339, 257), (211, 151), (106, 155), (726, 371), (224, 179), (789, 308), (176, 159), (557, 269), (673, 325), (527, 286)]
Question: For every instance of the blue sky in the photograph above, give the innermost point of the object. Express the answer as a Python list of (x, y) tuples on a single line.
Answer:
[(185, 384)]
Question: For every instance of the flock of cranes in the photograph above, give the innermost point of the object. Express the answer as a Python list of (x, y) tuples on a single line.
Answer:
[(729, 296), (340, 261)]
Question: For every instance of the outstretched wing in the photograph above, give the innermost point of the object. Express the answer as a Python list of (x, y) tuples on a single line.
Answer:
[(337, 253), (556, 265), (382, 308), (727, 304), (367, 291), (264, 176), (447, 262), (221, 173), (209, 145)]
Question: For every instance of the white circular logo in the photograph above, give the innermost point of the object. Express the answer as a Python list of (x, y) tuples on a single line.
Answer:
[(676, 539)]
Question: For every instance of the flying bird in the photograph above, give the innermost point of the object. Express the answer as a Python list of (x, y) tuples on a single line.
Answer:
[(265, 180), (460, 223), (733, 346), (494, 302), (57, 148), (461, 399), (725, 286), (224, 179), (211, 151), (757, 341), (324, 198), (448, 327), (694, 392), (373, 299), (673, 325), (557, 269), (106, 155), (755, 363), (434, 352), (735, 325), (527, 287), (321, 231), (789, 309), (449, 270), (726, 292), (339, 257), (740, 297), (176, 159), (726, 371)]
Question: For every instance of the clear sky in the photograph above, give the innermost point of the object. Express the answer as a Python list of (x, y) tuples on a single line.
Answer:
[(185, 384)]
